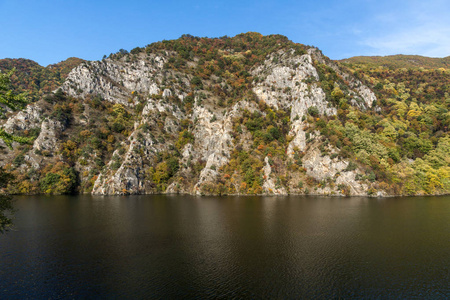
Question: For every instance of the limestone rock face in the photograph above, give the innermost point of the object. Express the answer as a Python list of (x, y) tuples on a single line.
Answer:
[(325, 168), (24, 120), (214, 142), (322, 167), (362, 95), (115, 80), (130, 177), (47, 141), (269, 185), (127, 179), (284, 84), (291, 82), (200, 140), (48, 137)]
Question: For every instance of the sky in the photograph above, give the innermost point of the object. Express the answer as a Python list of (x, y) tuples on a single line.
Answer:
[(50, 31)]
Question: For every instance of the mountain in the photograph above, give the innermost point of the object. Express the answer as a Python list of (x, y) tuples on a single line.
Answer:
[(36, 80), (400, 61), (250, 114)]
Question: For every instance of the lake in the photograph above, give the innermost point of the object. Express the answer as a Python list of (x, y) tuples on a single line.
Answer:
[(165, 247)]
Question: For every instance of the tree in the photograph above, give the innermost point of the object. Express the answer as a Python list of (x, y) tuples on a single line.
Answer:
[(313, 111), (59, 179), (8, 100), (7, 97), (6, 207)]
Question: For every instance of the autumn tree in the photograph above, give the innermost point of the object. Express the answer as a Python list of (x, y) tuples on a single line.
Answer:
[(8, 102)]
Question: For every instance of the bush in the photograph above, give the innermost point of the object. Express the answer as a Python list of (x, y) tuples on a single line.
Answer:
[(197, 81), (351, 166), (313, 111), (19, 160), (58, 179)]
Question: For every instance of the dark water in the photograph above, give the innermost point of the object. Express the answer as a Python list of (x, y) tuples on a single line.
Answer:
[(230, 247)]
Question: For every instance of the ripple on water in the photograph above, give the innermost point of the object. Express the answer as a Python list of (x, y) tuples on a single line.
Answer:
[(228, 247)]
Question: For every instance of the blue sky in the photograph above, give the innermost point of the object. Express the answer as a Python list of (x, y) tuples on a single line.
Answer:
[(53, 30)]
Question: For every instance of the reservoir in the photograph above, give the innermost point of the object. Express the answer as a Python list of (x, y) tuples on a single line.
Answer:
[(172, 247)]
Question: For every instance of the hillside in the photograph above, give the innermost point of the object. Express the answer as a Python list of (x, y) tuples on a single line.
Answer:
[(36, 80), (250, 114), (400, 61)]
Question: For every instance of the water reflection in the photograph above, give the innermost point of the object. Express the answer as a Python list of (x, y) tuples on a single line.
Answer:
[(208, 247)]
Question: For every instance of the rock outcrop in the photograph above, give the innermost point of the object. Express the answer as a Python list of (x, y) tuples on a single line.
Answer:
[(115, 80), (181, 129)]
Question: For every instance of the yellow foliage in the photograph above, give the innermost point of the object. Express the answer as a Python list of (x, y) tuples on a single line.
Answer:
[(111, 138), (85, 134), (413, 114)]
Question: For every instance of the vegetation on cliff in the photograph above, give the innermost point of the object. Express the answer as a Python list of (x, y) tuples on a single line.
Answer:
[(35, 80), (8, 101), (400, 61), (405, 142), (163, 140)]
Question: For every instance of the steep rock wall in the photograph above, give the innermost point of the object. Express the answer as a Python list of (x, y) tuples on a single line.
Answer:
[(284, 81)]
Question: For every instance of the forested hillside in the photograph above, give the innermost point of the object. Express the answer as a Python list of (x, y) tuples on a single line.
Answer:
[(411, 122), (400, 61), (250, 114), (34, 79)]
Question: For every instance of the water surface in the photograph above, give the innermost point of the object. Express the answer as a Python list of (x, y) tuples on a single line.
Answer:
[(227, 247)]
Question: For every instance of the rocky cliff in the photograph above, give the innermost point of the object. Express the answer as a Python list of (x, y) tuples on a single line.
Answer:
[(243, 115)]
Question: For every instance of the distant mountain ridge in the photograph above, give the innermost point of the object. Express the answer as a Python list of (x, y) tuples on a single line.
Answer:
[(400, 61)]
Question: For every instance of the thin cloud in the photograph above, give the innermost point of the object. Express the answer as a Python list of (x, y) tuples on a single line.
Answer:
[(428, 41), (423, 30)]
